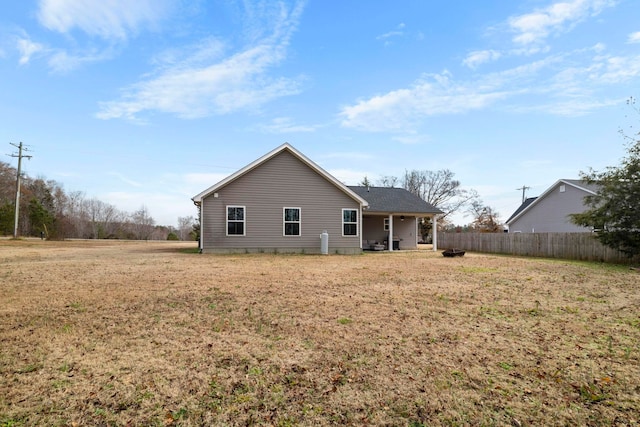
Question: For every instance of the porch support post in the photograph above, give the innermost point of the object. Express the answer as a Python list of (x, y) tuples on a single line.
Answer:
[(434, 232), (390, 238), (360, 226)]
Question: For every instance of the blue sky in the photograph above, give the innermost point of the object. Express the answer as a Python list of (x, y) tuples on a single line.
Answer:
[(150, 102)]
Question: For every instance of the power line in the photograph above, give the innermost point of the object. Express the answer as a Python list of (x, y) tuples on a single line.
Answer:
[(19, 156), (523, 188)]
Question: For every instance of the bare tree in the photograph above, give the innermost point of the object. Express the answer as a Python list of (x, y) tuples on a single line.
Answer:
[(485, 218), (388, 181), (142, 223), (440, 189), (104, 218), (7, 183), (185, 226), (75, 210)]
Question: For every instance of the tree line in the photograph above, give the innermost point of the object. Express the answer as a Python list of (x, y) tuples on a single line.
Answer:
[(47, 210)]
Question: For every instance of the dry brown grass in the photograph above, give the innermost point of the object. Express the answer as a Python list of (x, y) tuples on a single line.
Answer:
[(133, 333)]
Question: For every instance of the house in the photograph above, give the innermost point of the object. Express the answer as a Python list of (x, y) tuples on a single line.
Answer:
[(549, 213), (283, 202)]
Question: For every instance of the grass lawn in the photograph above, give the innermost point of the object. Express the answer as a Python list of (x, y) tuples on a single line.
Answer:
[(151, 333)]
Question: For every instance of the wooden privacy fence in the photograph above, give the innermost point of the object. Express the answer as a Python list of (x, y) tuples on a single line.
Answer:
[(573, 246)]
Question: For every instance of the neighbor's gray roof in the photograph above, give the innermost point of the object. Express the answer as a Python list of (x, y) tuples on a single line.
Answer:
[(393, 200), (522, 207)]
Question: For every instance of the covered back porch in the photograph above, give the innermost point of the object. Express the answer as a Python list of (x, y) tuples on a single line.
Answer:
[(392, 232)]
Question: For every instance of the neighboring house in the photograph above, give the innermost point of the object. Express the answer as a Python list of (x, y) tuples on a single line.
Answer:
[(283, 202), (550, 212)]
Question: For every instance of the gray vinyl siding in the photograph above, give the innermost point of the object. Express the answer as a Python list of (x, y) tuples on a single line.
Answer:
[(550, 214), (282, 181)]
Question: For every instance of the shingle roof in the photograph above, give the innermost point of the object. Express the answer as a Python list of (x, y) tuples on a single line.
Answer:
[(393, 200), (522, 207)]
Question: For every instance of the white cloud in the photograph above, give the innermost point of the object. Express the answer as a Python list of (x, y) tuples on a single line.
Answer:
[(193, 88), (201, 53), (349, 177), (108, 19), (203, 180), (125, 179), (478, 57), (112, 20), (529, 50), (559, 17), (536, 163), (61, 61), (351, 156), (618, 69), (286, 125), (572, 107), (410, 139), (435, 94), (27, 49), (634, 37), (569, 84), (386, 37), (601, 71)]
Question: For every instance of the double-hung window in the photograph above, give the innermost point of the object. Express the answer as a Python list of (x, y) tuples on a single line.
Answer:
[(235, 221), (349, 222), (291, 221)]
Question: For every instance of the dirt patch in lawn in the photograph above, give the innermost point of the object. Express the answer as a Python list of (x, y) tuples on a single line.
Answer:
[(142, 333)]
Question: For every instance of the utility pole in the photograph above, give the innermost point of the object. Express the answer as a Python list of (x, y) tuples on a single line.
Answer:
[(523, 188), (19, 156)]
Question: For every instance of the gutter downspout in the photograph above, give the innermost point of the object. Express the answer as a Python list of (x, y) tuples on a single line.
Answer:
[(199, 206)]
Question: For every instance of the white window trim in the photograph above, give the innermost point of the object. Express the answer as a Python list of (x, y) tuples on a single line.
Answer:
[(284, 222), (385, 225), (357, 223), (244, 220)]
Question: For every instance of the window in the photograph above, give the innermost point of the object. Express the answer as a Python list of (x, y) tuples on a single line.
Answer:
[(386, 224), (291, 221), (562, 188), (349, 222), (235, 220)]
